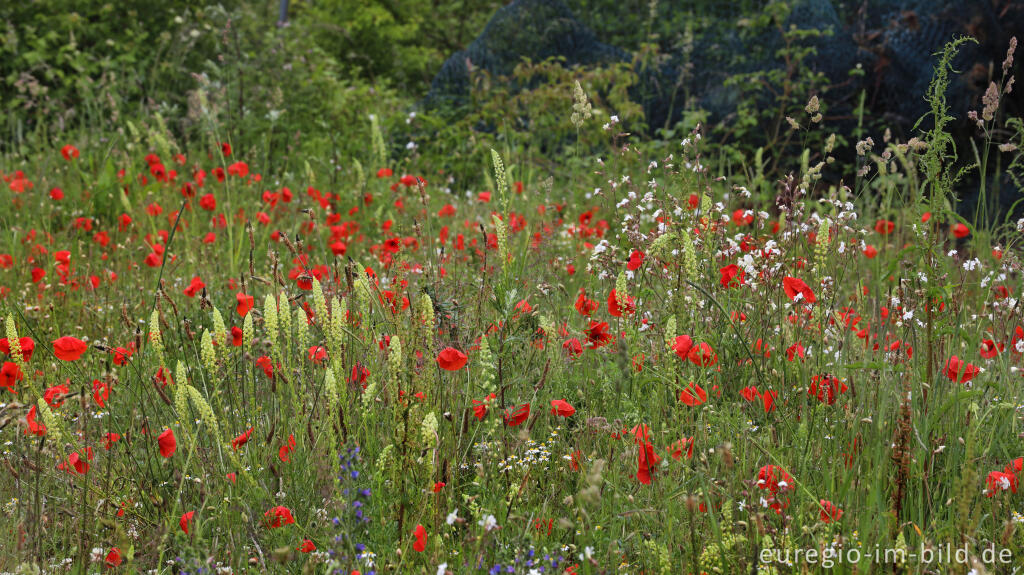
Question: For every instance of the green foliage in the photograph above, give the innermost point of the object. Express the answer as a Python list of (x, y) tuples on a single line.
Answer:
[(66, 62), (938, 164), (528, 114), (769, 96), (404, 41), (905, 462)]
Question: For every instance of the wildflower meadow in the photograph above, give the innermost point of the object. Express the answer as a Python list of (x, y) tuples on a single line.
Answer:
[(535, 341)]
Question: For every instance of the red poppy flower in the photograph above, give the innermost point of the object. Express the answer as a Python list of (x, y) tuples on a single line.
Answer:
[(762, 348), (998, 481), (646, 460), (826, 388), (69, 152), (278, 516), (480, 407), (702, 355), (676, 449), (121, 356), (284, 453), (245, 303), (749, 393), (961, 371), (306, 546), (829, 511), (69, 348), (240, 169), (617, 308), (34, 427), (990, 349), (597, 334), (636, 259), (110, 439), (885, 227), (420, 535), (768, 399), (693, 395), (742, 217), (317, 354), (113, 558), (961, 231), (451, 359), (186, 519), (584, 305), (167, 443), (208, 202), (27, 346), (562, 408), (732, 276), (55, 395), (682, 346), (797, 290), (870, 252), (265, 363), (194, 287), (242, 439), (794, 351), (573, 348), (236, 336), (518, 416), (78, 462), (774, 479)]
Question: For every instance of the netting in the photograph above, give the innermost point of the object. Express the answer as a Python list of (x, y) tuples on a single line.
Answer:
[(705, 43), (525, 29)]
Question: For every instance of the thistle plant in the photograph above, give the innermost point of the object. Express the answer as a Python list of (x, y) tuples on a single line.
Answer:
[(270, 321), (302, 336), (220, 331), (487, 369), (206, 413), (54, 428), (155, 337), (208, 353), (339, 309), (500, 179), (428, 436), (581, 109), (14, 343), (424, 380), (395, 358), (501, 232), (284, 321), (670, 332), (248, 333), (689, 254), (821, 247), (319, 303), (621, 289), (181, 395), (363, 303)]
